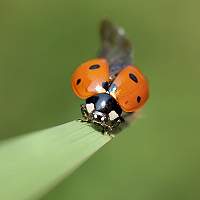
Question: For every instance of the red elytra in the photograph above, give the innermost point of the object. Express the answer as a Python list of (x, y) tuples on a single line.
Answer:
[(87, 79), (131, 88)]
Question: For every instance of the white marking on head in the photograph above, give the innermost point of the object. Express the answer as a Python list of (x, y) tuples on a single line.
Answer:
[(113, 115), (102, 119), (95, 116), (90, 107)]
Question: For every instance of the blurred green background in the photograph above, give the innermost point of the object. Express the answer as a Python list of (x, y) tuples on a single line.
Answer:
[(158, 156)]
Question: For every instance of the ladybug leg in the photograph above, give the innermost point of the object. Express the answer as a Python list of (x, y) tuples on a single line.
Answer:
[(117, 122), (107, 129), (84, 113), (121, 120), (117, 125)]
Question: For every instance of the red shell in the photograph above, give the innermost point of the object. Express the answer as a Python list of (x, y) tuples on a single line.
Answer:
[(131, 89), (88, 78)]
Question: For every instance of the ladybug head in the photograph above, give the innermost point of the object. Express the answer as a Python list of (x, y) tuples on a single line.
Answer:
[(102, 109)]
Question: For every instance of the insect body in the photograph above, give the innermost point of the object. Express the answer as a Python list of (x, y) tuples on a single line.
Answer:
[(111, 84)]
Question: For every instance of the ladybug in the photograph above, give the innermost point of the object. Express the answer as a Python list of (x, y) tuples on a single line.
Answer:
[(111, 85)]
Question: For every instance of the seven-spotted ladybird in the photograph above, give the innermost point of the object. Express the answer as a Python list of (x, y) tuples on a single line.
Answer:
[(111, 84)]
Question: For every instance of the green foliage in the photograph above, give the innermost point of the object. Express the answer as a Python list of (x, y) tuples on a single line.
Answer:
[(42, 43), (32, 164)]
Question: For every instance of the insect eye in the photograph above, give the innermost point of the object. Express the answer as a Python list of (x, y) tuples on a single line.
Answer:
[(133, 77), (94, 66)]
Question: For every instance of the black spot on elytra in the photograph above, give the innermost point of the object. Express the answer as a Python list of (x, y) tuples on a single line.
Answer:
[(133, 77), (138, 99), (94, 66), (78, 81)]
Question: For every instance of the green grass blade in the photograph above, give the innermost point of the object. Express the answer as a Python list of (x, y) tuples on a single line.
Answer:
[(34, 163)]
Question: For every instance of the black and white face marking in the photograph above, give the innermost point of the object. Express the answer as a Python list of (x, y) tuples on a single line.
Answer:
[(113, 115), (90, 107), (103, 108)]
